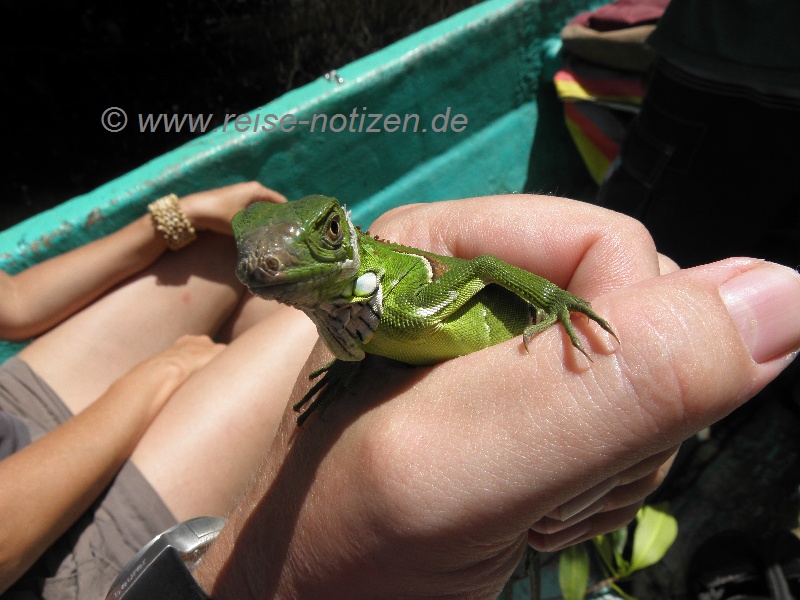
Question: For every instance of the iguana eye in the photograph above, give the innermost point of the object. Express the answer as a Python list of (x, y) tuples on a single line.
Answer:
[(334, 232)]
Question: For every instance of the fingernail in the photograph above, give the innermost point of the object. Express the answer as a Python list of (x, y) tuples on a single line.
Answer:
[(764, 303)]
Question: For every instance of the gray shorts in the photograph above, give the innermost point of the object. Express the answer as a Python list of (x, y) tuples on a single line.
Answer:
[(84, 562)]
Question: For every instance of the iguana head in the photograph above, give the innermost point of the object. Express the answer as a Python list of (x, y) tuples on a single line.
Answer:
[(299, 252)]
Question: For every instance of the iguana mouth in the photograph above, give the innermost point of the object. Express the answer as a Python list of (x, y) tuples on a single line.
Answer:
[(273, 291), (297, 293), (276, 277)]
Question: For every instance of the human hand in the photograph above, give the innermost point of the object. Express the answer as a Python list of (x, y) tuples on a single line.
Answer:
[(213, 210), (176, 364), (189, 353), (428, 482)]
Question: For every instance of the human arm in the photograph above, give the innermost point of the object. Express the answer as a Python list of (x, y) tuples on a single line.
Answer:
[(45, 294), (47, 485), (428, 482)]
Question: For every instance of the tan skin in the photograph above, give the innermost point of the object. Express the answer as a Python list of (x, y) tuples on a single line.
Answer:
[(123, 331), (429, 482)]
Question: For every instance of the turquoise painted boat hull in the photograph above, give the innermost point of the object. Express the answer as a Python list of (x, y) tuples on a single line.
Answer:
[(491, 63)]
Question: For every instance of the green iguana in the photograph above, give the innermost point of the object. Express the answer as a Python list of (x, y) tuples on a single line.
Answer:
[(366, 295)]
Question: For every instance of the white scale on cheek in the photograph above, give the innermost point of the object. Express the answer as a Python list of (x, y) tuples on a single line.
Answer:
[(366, 284), (351, 266)]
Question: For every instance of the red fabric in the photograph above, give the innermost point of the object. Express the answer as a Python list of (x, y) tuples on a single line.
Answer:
[(607, 146), (622, 14)]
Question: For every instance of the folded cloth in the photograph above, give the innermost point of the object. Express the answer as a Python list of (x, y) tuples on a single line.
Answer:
[(623, 49), (622, 14), (601, 81)]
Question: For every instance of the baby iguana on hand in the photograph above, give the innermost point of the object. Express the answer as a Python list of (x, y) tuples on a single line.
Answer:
[(371, 296)]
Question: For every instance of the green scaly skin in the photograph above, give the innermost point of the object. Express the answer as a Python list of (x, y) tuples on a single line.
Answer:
[(371, 296)]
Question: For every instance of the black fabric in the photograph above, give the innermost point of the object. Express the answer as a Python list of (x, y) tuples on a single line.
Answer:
[(166, 577), (711, 171), (737, 40)]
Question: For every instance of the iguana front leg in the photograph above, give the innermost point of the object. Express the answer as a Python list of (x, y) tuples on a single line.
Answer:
[(550, 303), (336, 377)]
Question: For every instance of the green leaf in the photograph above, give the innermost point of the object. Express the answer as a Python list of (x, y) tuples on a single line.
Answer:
[(573, 572), (610, 547), (602, 544), (619, 539), (656, 530)]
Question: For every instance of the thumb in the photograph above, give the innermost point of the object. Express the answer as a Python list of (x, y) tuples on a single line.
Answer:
[(705, 340), (695, 345)]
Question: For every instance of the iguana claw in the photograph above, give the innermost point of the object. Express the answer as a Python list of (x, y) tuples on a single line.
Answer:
[(545, 320)]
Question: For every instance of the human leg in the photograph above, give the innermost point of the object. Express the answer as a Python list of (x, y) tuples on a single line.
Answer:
[(206, 444), (191, 291), (90, 553), (249, 311)]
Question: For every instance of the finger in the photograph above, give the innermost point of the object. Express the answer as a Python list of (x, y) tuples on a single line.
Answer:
[(666, 264), (589, 249), (598, 524), (265, 194), (194, 350), (707, 360), (636, 491), (659, 461), (618, 497), (251, 191), (597, 497), (581, 506)]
